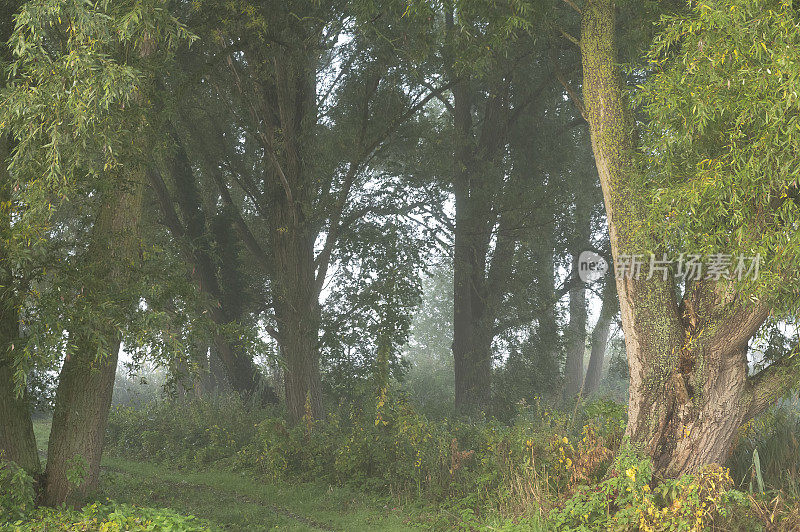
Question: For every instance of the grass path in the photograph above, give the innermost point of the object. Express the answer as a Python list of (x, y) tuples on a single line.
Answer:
[(234, 501), (237, 502)]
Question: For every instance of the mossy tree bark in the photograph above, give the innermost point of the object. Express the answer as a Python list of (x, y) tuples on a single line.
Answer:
[(689, 386), (86, 381)]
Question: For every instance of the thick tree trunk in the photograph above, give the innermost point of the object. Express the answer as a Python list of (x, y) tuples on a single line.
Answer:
[(689, 390), (86, 381), (17, 441), (599, 340), (472, 318), (471, 350), (297, 314), (83, 399)]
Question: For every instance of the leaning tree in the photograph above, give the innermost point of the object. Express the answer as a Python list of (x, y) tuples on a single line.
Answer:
[(710, 169)]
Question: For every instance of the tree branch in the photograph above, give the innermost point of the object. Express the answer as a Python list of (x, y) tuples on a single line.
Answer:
[(772, 383)]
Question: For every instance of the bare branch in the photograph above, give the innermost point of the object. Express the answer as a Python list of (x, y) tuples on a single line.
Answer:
[(573, 95), (574, 6), (564, 33)]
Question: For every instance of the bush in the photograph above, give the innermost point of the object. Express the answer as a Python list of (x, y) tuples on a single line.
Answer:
[(384, 446), (16, 492), (631, 499), (183, 433), (776, 436), (108, 517)]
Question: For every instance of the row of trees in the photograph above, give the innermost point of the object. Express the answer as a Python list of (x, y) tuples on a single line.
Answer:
[(189, 177)]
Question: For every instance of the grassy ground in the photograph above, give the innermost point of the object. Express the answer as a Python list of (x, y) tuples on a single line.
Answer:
[(235, 502)]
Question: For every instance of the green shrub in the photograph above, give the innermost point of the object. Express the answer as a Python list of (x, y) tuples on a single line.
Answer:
[(630, 499), (16, 492), (776, 436), (383, 446), (196, 432), (108, 517)]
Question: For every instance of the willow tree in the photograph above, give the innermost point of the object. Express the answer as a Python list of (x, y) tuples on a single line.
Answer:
[(17, 442), (715, 173), (77, 106)]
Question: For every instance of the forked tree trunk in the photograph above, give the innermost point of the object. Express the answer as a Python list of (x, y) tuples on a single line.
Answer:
[(478, 280), (689, 390), (86, 381), (198, 238)]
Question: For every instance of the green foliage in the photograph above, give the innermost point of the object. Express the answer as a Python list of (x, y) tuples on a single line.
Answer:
[(75, 109), (195, 432), (16, 492), (722, 137), (775, 439), (385, 447), (109, 517), (632, 499), (548, 470), (76, 83)]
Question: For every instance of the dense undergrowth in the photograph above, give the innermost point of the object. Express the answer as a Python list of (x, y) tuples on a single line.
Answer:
[(560, 471), (548, 470)]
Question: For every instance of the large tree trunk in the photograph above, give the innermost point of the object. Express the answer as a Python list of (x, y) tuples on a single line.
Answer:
[(296, 282), (689, 390), (86, 381), (17, 442), (599, 340), (472, 356), (471, 350), (297, 313)]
